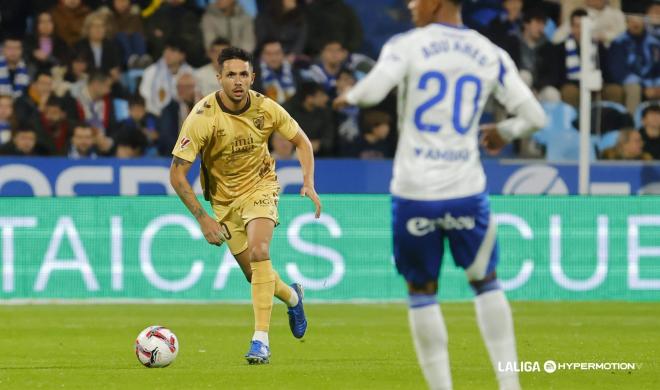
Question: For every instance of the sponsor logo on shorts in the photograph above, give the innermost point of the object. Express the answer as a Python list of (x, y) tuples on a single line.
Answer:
[(420, 226)]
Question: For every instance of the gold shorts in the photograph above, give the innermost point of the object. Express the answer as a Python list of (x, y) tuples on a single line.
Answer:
[(259, 203)]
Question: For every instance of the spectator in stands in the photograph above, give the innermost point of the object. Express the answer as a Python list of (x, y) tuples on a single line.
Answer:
[(506, 30), (372, 144), (281, 148), (347, 119), (44, 48), (7, 119), (226, 18), (125, 23), (206, 76), (332, 20), (14, 78), (173, 20), (608, 23), (130, 144), (653, 18), (23, 143), (633, 63), (69, 17), (53, 127), (276, 78), (33, 103), (650, 130), (82, 143), (158, 84), (102, 54), (325, 71), (96, 109), (140, 120), (629, 146), (527, 53), (310, 109), (284, 21), (176, 111), (561, 66)]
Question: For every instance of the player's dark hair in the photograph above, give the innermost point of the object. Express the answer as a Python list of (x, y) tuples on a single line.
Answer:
[(534, 14), (654, 108), (42, 72), (578, 13), (456, 2), (234, 53)]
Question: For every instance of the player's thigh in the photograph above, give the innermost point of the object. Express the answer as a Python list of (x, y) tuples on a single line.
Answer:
[(418, 244), (260, 215), (231, 219), (472, 233)]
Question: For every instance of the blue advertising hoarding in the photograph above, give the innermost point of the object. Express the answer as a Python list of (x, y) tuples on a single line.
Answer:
[(65, 177)]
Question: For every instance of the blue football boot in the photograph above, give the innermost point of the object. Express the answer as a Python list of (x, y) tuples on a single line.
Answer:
[(297, 320), (258, 353)]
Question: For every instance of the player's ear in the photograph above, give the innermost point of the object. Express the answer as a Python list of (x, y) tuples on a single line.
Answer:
[(252, 78)]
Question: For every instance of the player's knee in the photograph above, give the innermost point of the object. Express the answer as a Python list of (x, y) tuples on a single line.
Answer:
[(428, 288), (259, 251), (489, 283)]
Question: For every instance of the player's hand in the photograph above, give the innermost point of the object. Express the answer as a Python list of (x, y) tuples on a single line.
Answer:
[(491, 139), (310, 192), (214, 233), (340, 102)]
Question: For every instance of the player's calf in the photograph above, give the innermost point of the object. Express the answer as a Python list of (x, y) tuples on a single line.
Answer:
[(496, 325)]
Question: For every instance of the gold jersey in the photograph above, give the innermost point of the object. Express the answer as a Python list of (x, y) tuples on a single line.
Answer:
[(233, 145)]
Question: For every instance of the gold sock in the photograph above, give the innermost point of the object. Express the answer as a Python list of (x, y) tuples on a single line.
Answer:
[(282, 290), (263, 289)]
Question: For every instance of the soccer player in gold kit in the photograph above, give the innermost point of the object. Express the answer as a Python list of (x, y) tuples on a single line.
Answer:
[(230, 130)]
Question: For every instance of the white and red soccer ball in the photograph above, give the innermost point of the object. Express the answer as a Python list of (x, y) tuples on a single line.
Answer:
[(156, 346)]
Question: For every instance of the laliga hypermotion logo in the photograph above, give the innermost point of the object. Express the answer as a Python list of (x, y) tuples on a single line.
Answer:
[(184, 142)]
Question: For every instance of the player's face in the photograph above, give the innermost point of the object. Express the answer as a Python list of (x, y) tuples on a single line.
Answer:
[(422, 11), (236, 78)]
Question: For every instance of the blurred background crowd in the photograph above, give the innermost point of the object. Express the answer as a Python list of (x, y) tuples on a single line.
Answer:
[(92, 78)]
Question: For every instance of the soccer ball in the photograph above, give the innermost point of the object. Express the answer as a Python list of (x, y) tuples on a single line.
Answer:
[(156, 346)]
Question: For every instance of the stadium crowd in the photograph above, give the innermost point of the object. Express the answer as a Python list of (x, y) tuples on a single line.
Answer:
[(89, 78)]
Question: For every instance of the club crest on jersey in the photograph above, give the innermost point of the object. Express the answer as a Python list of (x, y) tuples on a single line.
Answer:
[(259, 122), (185, 142)]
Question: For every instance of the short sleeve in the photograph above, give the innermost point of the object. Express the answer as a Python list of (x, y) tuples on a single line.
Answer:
[(283, 122), (192, 137), (511, 90)]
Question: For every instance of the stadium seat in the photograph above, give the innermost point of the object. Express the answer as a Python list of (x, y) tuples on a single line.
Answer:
[(131, 79), (565, 146), (121, 109), (608, 140), (608, 116), (560, 118)]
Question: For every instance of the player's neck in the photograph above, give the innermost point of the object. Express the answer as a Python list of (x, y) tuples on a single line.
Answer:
[(449, 16), (231, 105)]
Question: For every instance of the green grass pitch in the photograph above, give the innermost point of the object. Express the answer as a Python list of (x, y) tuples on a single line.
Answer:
[(347, 347)]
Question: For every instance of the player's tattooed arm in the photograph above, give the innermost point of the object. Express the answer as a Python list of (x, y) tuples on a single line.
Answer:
[(210, 228), (178, 172)]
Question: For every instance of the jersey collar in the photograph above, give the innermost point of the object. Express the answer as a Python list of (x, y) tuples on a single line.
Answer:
[(456, 26), (227, 110)]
